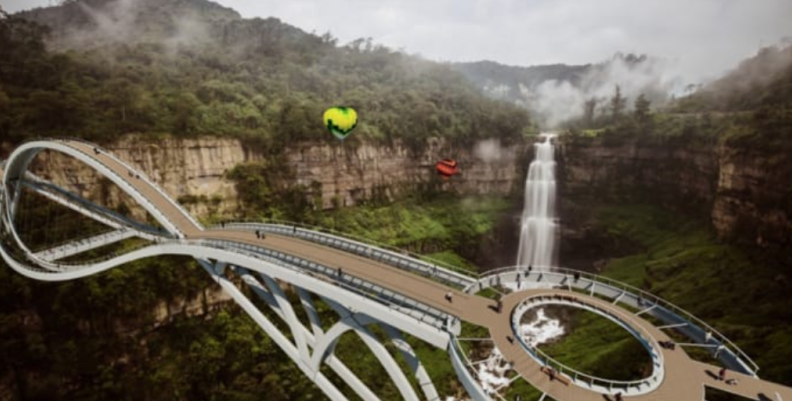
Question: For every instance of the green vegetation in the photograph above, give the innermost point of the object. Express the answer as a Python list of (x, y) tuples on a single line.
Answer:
[(598, 347), (425, 222), (421, 226), (269, 92), (749, 108), (740, 292), (758, 82), (105, 325)]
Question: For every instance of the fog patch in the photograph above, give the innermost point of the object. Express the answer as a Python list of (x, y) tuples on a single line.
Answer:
[(490, 151), (136, 21), (554, 102)]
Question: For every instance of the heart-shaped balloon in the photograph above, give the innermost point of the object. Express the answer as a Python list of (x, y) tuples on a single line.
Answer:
[(340, 121)]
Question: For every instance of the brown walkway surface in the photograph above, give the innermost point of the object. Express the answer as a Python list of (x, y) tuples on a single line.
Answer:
[(684, 378)]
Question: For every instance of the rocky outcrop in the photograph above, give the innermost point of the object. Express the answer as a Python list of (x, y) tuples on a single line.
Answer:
[(754, 199), (194, 171), (744, 192), (667, 173), (352, 174)]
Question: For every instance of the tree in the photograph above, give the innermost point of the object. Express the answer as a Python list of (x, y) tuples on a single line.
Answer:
[(617, 104), (642, 110), (589, 106)]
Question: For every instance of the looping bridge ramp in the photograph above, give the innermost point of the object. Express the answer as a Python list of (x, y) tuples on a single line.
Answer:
[(368, 285)]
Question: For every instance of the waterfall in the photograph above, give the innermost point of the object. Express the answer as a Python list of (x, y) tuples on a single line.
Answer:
[(539, 226)]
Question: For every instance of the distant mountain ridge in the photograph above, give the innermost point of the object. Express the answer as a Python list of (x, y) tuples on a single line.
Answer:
[(557, 93), (505, 81)]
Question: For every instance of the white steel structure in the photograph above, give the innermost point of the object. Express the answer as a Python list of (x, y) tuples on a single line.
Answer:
[(369, 285)]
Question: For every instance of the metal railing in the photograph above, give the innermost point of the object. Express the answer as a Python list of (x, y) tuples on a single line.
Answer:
[(75, 242), (644, 298), (425, 266), (111, 170), (98, 209), (398, 302), (576, 376), (156, 187)]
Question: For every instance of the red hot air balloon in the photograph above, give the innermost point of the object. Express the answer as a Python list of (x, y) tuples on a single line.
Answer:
[(447, 168)]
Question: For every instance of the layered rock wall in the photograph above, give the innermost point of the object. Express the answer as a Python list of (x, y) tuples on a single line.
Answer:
[(745, 193), (194, 171)]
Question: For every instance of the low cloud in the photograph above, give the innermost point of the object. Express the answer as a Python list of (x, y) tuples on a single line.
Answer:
[(490, 151), (554, 102)]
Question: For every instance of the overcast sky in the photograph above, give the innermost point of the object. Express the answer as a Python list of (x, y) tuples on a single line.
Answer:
[(705, 37)]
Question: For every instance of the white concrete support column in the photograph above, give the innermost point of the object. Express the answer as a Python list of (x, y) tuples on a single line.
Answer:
[(310, 309), (289, 316), (357, 322), (424, 380), (343, 372), (320, 379)]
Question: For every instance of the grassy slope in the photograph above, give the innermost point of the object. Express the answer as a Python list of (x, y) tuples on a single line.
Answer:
[(743, 295), (432, 228), (599, 347)]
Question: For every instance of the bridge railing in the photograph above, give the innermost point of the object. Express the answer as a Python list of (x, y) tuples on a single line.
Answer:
[(399, 302), (156, 187), (581, 378), (40, 185), (61, 265), (388, 254), (121, 176), (649, 303), (73, 242)]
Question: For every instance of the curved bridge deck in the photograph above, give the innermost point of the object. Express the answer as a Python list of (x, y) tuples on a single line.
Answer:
[(684, 378)]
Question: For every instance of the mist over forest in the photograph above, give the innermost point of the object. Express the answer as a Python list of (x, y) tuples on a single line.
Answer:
[(675, 185)]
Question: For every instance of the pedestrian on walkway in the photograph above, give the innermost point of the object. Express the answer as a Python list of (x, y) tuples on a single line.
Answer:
[(448, 296), (617, 397), (722, 374), (500, 306), (258, 235), (340, 272)]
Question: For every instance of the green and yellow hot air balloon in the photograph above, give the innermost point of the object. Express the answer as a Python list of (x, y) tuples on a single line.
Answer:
[(340, 121)]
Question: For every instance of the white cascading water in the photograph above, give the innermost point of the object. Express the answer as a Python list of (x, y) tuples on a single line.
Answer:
[(539, 228)]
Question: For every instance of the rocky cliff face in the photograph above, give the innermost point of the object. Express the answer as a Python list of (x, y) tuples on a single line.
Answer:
[(353, 174), (754, 196), (194, 171), (744, 192)]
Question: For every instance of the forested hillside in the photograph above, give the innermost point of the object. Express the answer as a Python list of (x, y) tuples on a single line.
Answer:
[(104, 68), (764, 80), (557, 94)]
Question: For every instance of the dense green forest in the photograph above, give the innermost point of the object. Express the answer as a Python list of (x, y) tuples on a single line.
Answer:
[(260, 80), (750, 107), (267, 83)]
